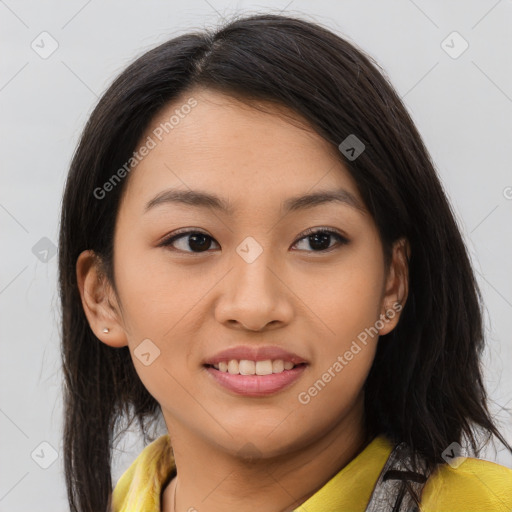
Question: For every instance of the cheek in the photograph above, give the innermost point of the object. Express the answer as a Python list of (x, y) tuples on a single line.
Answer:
[(159, 306), (348, 306), (154, 297), (346, 302), (345, 355)]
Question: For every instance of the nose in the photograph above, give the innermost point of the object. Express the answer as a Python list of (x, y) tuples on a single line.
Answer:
[(254, 296)]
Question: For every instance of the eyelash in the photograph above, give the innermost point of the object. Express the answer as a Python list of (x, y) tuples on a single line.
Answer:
[(342, 240)]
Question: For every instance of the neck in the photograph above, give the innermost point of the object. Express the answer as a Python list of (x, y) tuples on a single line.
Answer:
[(211, 480)]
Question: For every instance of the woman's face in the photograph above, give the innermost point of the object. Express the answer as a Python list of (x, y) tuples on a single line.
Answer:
[(249, 278)]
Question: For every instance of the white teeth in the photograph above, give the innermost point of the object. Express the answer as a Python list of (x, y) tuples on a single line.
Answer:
[(277, 366), (264, 367), (247, 367), (233, 366)]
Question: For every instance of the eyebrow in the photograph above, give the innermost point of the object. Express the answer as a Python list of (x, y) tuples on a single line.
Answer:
[(201, 199)]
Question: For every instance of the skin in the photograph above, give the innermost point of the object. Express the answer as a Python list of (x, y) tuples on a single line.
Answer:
[(194, 304)]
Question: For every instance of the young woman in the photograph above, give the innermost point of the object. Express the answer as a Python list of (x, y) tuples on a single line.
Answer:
[(256, 247)]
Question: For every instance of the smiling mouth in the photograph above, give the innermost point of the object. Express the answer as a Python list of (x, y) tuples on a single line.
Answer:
[(255, 378), (258, 368)]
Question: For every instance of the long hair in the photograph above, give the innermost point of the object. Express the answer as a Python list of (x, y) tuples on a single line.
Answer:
[(425, 387)]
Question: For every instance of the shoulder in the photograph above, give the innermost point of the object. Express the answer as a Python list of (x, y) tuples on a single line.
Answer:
[(475, 485), (140, 485)]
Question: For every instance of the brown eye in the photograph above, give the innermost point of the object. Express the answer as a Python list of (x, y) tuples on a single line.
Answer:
[(190, 241), (320, 239)]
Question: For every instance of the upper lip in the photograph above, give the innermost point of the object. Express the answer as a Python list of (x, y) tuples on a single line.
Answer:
[(254, 354)]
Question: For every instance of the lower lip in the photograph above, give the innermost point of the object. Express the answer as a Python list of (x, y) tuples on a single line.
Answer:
[(257, 385)]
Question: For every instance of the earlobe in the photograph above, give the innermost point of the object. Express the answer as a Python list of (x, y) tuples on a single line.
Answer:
[(397, 286), (104, 320)]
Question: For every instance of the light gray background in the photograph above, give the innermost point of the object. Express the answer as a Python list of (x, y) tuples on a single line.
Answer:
[(462, 107)]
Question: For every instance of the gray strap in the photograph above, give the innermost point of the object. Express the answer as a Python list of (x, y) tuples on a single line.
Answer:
[(390, 493)]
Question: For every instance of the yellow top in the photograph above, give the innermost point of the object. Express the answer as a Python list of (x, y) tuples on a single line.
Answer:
[(474, 486)]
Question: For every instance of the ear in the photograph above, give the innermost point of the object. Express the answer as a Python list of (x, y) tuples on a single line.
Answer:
[(99, 301), (396, 288)]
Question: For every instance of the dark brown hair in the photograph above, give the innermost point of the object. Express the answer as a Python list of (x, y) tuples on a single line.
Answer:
[(425, 386)]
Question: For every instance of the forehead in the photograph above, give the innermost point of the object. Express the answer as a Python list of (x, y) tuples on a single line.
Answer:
[(258, 152)]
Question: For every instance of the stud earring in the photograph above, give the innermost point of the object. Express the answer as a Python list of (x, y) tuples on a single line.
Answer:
[(105, 330)]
